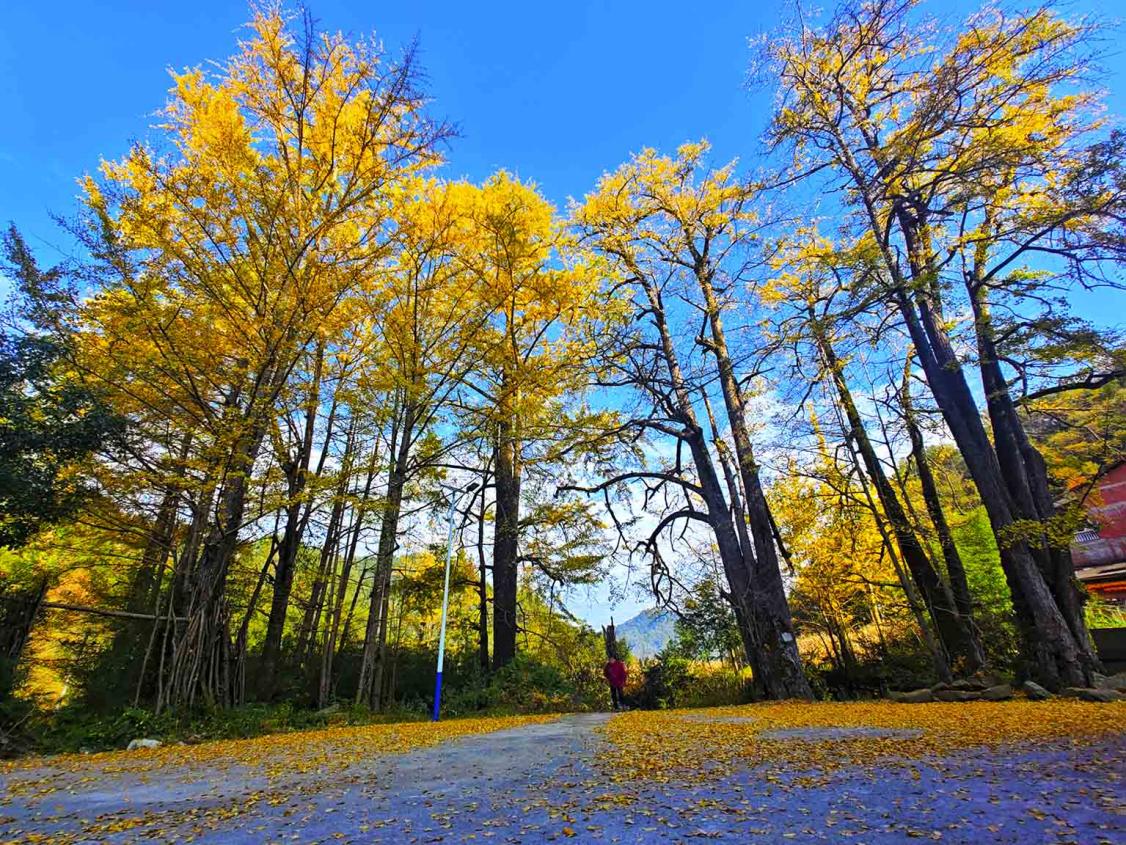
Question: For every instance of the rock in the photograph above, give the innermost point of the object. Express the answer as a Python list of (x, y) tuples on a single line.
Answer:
[(957, 695), (1034, 691), (143, 743), (919, 696), (1000, 692), (991, 679), (1116, 681), (968, 685), (328, 711), (1093, 694)]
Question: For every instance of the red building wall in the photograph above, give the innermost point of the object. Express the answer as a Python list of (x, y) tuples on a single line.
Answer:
[(1110, 517)]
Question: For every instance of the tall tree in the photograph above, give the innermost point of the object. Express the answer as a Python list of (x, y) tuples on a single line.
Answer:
[(228, 257), (669, 227), (543, 303), (818, 317), (967, 157), (430, 318)]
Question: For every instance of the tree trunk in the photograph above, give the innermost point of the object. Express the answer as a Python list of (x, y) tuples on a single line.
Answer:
[(482, 585), (956, 633), (1026, 476), (336, 610), (296, 474), (761, 611), (780, 663), (306, 633), (506, 540), (17, 616), (375, 635), (955, 569), (1054, 656)]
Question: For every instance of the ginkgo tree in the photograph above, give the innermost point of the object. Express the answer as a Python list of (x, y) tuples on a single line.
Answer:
[(236, 246), (679, 239), (818, 318), (545, 302), (970, 167), (305, 329)]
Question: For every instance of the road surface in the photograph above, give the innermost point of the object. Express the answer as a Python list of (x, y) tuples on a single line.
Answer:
[(548, 782)]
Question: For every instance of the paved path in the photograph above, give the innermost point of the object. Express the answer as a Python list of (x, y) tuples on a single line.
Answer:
[(536, 784)]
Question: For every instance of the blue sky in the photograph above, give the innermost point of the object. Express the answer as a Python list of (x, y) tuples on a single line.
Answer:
[(556, 92)]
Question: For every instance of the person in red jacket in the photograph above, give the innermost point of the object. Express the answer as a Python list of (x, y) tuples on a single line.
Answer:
[(615, 674)]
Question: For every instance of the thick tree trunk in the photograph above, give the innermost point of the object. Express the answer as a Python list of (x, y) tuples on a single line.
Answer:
[(296, 473), (780, 663), (482, 586), (506, 540), (200, 665), (1026, 476), (1054, 656), (761, 610)]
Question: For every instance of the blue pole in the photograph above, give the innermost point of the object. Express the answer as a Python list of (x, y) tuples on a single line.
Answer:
[(445, 607), (437, 695)]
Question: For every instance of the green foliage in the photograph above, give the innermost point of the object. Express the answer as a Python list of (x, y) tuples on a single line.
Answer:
[(49, 420), (992, 599), (706, 627), (77, 729), (1103, 614), (529, 685), (898, 663), (672, 680), (49, 423)]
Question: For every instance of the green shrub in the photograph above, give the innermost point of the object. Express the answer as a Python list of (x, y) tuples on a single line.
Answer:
[(671, 680)]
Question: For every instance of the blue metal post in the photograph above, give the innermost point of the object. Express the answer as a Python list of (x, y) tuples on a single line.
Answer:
[(454, 496)]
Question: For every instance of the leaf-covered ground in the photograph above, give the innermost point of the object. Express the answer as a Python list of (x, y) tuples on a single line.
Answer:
[(864, 773), (192, 792), (816, 740)]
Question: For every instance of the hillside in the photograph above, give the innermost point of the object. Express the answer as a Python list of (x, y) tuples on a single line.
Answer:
[(648, 632)]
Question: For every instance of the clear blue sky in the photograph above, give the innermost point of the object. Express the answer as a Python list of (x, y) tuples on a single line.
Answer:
[(558, 92)]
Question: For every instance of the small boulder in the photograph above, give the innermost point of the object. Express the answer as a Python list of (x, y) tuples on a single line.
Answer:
[(1000, 692), (919, 696), (957, 695), (1034, 691), (1116, 681), (1093, 694), (968, 685), (143, 743), (990, 679)]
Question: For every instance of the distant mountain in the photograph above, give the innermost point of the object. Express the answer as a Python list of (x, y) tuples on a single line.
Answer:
[(648, 632)]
